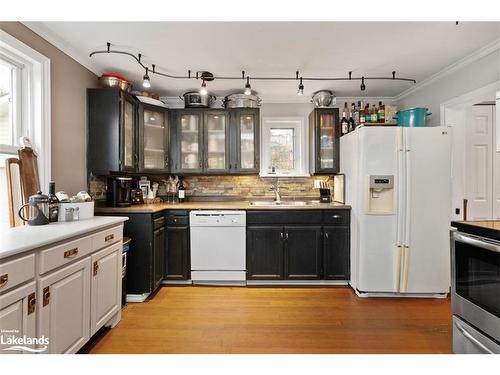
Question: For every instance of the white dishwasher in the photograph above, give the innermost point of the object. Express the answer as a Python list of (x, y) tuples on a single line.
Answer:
[(218, 254)]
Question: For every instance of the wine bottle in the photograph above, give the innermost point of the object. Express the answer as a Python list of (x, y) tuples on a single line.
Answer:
[(181, 191), (53, 203), (362, 114), (344, 124)]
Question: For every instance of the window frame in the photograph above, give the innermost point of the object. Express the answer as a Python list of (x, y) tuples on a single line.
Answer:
[(33, 91), (19, 127), (300, 147)]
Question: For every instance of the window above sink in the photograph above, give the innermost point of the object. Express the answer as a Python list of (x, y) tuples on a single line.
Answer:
[(284, 151)]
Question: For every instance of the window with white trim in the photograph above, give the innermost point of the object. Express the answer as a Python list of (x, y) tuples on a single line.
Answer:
[(24, 109), (284, 147)]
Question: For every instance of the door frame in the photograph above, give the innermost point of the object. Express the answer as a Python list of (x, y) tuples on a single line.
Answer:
[(453, 115)]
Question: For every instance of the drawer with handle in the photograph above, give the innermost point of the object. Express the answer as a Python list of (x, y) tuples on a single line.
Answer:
[(16, 271), (336, 217), (107, 237), (63, 254), (177, 220)]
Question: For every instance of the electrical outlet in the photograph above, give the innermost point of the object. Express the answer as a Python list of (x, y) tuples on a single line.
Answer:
[(457, 211)]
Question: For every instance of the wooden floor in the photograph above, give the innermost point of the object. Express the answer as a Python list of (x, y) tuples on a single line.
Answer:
[(277, 320)]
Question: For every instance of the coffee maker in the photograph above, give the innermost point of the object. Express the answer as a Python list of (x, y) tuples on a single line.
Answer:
[(119, 191)]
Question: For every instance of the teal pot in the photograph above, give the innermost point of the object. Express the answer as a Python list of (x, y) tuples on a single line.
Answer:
[(413, 117)]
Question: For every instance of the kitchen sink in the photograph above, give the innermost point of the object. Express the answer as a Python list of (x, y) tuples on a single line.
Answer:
[(284, 203)]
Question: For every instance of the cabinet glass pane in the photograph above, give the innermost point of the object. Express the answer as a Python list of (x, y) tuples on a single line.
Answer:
[(190, 135), (128, 137), (326, 133), (247, 142), (216, 141), (154, 140)]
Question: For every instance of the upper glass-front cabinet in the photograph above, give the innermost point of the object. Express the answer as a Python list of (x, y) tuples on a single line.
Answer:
[(129, 154), (324, 131), (190, 132), (216, 141), (246, 126), (154, 121)]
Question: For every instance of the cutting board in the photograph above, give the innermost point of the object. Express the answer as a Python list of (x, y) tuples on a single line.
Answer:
[(29, 172)]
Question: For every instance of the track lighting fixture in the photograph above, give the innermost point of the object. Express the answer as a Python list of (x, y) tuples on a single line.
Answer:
[(209, 77), (145, 80), (203, 89), (248, 88), (300, 91)]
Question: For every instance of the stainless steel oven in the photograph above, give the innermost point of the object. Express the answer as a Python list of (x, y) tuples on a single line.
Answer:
[(475, 293)]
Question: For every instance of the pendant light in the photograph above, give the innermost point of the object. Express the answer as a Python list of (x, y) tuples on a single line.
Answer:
[(300, 91), (145, 80), (248, 88), (363, 87), (203, 89)]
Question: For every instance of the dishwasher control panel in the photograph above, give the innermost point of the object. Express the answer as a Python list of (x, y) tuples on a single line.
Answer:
[(217, 218)]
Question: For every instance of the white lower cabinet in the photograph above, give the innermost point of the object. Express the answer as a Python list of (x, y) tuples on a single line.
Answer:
[(106, 286), (61, 294), (64, 307), (17, 318)]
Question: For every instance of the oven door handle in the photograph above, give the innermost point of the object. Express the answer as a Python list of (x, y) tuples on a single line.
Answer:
[(472, 339), (475, 242)]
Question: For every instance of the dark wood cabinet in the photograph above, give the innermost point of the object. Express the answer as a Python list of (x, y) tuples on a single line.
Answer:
[(158, 256), (303, 253), (153, 139), (215, 141), (324, 138), (177, 255), (245, 141), (298, 245), (112, 131), (336, 243), (265, 253)]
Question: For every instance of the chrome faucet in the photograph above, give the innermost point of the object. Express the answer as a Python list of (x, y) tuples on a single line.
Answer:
[(276, 189)]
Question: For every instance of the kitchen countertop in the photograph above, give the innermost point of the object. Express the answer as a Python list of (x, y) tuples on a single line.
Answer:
[(213, 205), (23, 238), (483, 228)]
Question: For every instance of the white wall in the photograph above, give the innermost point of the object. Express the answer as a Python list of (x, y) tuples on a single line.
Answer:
[(477, 74)]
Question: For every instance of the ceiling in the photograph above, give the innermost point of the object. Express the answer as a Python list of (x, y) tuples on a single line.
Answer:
[(413, 49)]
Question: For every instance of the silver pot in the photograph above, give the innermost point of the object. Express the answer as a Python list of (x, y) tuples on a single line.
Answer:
[(323, 98), (193, 99), (241, 101)]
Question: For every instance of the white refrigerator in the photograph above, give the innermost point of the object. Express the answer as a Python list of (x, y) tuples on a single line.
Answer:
[(397, 181)]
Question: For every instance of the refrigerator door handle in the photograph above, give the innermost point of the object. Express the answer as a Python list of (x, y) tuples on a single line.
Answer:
[(397, 269), (407, 238), (405, 267)]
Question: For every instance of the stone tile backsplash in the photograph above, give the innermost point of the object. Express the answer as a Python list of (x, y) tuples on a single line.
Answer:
[(233, 187)]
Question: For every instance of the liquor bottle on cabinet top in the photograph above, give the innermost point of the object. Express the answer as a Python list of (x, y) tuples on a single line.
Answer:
[(350, 122), (368, 117), (344, 124), (381, 113), (373, 114), (362, 115), (356, 113)]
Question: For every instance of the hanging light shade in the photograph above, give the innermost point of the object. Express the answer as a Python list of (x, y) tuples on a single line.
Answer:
[(363, 87), (248, 88), (145, 80), (300, 91), (203, 89)]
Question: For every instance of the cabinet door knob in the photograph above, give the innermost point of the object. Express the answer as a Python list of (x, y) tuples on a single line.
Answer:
[(109, 237), (336, 216), (326, 235)]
